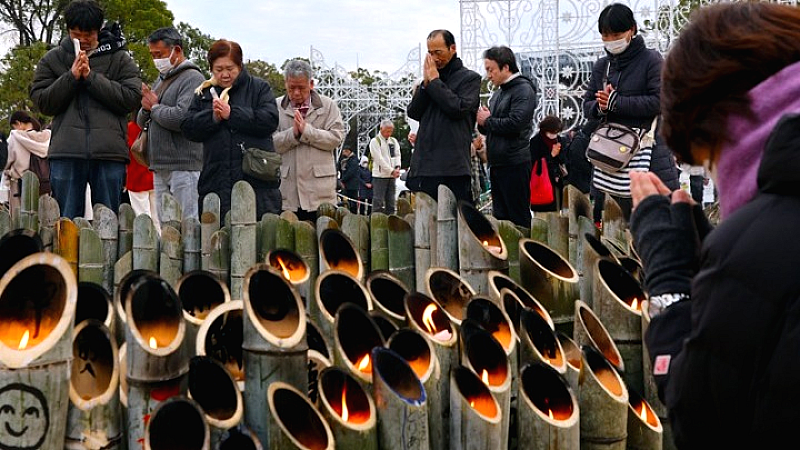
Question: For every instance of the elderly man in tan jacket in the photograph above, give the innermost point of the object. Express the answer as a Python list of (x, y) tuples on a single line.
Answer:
[(310, 129)]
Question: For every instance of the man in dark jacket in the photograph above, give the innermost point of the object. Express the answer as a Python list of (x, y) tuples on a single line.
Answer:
[(507, 124), (348, 175), (89, 94), (444, 104)]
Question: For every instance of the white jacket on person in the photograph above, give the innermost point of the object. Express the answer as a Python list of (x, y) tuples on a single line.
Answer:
[(21, 144), (383, 163)]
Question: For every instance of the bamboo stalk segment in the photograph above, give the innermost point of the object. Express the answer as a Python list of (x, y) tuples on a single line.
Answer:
[(644, 428), (337, 252), (404, 207), (268, 233), (614, 223), (633, 266), (199, 291), (341, 213), (171, 265), (558, 232), (333, 289), (320, 355), (539, 229), (538, 343), (219, 261), (220, 337), (480, 248), (106, 224), (5, 222), (82, 222), (209, 225), (94, 302), (425, 236), (590, 331), (284, 232), (450, 290), (239, 438), (215, 390), (66, 242), (243, 234), (306, 246), (355, 335), (521, 298), (388, 295), (574, 360), (49, 213), (650, 387), (593, 249), (16, 245), (511, 236), (578, 206), (177, 423), (145, 243), (447, 227), (401, 251), (379, 241), (420, 354), (549, 417), (356, 227), (327, 209), (476, 421), (603, 403), (28, 214), (293, 267), (551, 279), (191, 238), (171, 213), (123, 287), (349, 410), (493, 319), (294, 422), (386, 326)]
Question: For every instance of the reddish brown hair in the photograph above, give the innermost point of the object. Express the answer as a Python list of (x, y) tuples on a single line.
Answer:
[(223, 48), (726, 50)]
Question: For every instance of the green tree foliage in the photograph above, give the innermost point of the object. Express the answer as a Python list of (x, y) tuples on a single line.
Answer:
[(269, 72), (33, 20), (15, 79), (196, 45)]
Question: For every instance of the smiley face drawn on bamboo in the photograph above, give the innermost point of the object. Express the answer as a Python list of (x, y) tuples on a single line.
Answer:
[(24, 417)]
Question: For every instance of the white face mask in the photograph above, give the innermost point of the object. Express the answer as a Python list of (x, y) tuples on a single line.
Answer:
[(164, 64), (551, 135), (617, 47)]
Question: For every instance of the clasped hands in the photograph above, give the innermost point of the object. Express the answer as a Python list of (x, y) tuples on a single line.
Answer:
[(80, 67), (603, 97), (429, 70)]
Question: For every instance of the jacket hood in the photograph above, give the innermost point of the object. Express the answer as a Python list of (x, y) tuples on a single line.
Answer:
[(109, 39), (779, 172)]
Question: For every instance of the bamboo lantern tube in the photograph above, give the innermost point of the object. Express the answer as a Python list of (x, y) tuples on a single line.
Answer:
[(294, 422), (451, 292), (82, 222), (37, 306), (603, 403), (274, 345), (511, 236), (94, 413), (267, 231), (650, 387), (356, 227), (578, 205), (306, 246), (618, 305), (401, 251), (633, 266), (220, 337), (590, 331), (177, 424), (121, 293), (425, 236), (348, 409), (106, 224), (28, 214), (284, 232), (539, 343), (215, 390), (522, 298), (404, 207), (239, 438), (5, 221), (157, 362), (355, 335), (447, 229), (616, 246), (125, 218), (243, 234), (388, 295), (480, 248), (573, 355), (539, 229), (170, 266), (294, 269), (341, 213), (220, 260), (428, 318), (402, 404), (644, 428), (66, 242), (333, 289), (420, 354), (551, 280), (145, 243), (200, 292), (49, 213), (484, 355), (16, 245), (549, 417), (171, 214), (320, 355), (558, 232), (95, 303), (209, 225), (90, 256), (476, 420), (191, 240), (327, 209), (386, 326), (337, 252), (593, 249), (379, 241), (614, 223), (123, 388)]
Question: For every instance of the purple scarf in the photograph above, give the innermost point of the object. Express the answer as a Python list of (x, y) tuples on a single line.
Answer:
[(737, 167)]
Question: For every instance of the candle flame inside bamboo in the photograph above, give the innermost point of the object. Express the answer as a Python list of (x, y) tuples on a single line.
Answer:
[(345, 412), (643, 414), (364, 364), (24, 341), (284, 269), (550, 412), (485, 377), (635, 303), (153, 343), (427, 318), (492, 248)]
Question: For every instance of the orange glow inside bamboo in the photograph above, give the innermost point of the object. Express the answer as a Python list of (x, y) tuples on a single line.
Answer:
[(284, 270), (153, 343), (364, 364), (427, 320), (345, 412), (419, 366), (291, 270), (550, 413), (635, 304), (607, 377), (485, 377), (483, 404), (494, 249), (643, 414), (23, 342)]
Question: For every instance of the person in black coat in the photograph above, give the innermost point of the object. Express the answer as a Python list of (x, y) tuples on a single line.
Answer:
[(348, 176), (364, 186), (547, 143)]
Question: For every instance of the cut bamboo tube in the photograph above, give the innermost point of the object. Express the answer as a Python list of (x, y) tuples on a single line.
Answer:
[(211, 203), (171, 213), (404, 207), (388, 295), (123, 287), (425, 233), (145, 243), (293, 268), (200, 291), (551, 279), (477, 417), (209, 225), (49, 213), (284, 233), (618, 305), (633, 267), (450, 290), (327, 209), (593, 249), (125, 219), (95, 303), (243, 234), (585, 227), (320, 355), (37, 299), (94, 420), (644, 429), (614, 223), (402, 404), (274, 346), (349, 410), (558, 232), (386, 326), (317, 341), (493, 319), (220, 337), (28, 214), (355, 335), (334, 288), (480, 248), (215, 390), (511, 236), (306, 245), (539, 229), (447, 229), (577, 205), (177, 423), (323, 223), (341, 213), (90, 257), (294, 422), (82, 222), (267, 234), (191, 237), (356, 227), (572, 353), (379, 241), (5, 222), (650, 387), (123, 389), (106, 223), (401, 251), (590, 331), (428, 318), (521, 298), (549, 417), (157, 362), (16, 245), (170, 266), (66, 242), (219, 262), (420, 354), (239, 438), (337, 252), (539, 343), (603, 403)]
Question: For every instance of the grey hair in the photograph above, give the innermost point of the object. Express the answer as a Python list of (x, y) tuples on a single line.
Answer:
[(298, 68), (168, 35), (387, 123)]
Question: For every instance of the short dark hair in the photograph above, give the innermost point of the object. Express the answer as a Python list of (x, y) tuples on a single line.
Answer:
[(223, 48), (24, 117), (448, 37), (85, 15), (551, 124), (168, 35), (616, 18), (503, 56)]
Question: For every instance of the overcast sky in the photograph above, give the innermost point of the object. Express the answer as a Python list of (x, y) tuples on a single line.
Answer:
[(376, 35)]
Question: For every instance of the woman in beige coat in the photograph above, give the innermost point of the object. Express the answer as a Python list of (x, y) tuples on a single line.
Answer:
[(26, 140)]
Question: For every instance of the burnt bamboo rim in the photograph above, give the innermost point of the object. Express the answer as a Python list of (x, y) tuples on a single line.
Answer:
[(538, 335), (155, 315), (239, 438), (124, 287), (398, 376), (200, 292), (417, 350), (482, 232), (95, 374), (450, 290), (177, 423), (641, 409), (356, 334), (17, 244), (607, 376), (386, 326), (94, 302), (337, 251), (416, 304), (123, 369), (493, 319), (548, 260), (387, 293), (274, 306), (45, 283), (316, 340), (598, 246), (624, 288), (337, 387), (547, 393), (335, 288), (476, 394), (572, 352), (499, 281), (221, 336), (212, 386), (484, 355), (298, 418), (597, 334), (290, 264)]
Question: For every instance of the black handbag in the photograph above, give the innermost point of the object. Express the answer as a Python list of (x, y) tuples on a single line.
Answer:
[(261, 164)]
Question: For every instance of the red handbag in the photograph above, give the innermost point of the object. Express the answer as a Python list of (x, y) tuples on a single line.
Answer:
[(541, 187)]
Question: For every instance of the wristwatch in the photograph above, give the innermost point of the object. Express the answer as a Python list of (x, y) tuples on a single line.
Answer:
[(661, 302)]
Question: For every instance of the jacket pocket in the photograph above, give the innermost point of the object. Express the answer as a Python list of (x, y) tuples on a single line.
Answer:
[(324, 170), (284, 171)]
